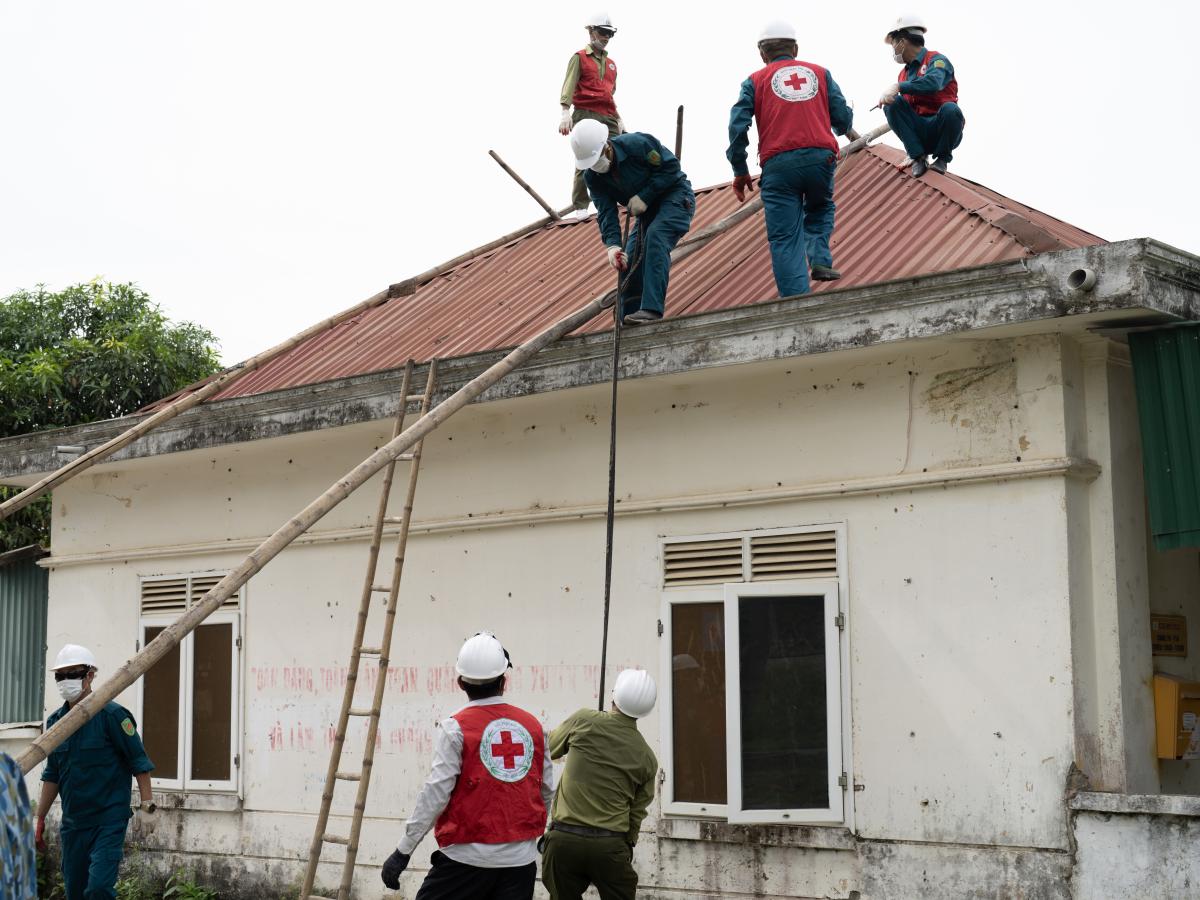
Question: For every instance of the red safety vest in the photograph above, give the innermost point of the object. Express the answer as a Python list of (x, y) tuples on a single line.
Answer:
[(498, 796), (791, 107), (929, 104), (595, 92)]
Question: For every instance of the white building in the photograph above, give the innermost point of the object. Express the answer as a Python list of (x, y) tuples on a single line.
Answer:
[(884, 547)]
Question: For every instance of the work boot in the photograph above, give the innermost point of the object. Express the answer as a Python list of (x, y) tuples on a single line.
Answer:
[(825, 273), (580, 214), (642, 317), (938, 165), (919, 166)]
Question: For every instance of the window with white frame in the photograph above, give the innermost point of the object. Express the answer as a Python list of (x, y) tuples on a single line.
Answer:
[(753, 641), (190, 706)]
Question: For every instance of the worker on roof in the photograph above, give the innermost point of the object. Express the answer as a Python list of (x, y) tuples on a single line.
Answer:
[(927, 118), (638, 172), (589, 86), (91, 771), (798, 108), (487, 794), (606, 787)]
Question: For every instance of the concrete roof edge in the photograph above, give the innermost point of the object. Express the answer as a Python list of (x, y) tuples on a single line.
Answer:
[(1136, 274)]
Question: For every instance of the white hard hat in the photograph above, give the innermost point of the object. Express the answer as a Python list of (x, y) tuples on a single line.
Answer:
[(601, 20), (73, 655), (588, 138), (777, 30), (634, 693), (905, 23), (482, 659)]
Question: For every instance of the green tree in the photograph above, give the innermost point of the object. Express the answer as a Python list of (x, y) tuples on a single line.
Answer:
[(92, 351)]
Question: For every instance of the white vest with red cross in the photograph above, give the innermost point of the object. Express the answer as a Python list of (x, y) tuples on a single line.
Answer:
[(498, 796), (791, 107)]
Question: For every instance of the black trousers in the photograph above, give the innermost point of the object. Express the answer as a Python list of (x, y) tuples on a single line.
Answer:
[(450, 880), (571, 862)]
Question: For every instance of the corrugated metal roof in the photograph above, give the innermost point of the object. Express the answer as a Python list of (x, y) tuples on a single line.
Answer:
[(889, 226)]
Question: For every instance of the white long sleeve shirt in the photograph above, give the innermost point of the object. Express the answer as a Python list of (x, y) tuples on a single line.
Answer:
[(435, 794)]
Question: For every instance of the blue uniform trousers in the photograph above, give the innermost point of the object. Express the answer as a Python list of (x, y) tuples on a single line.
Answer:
[(797, 195), (663, 226), (921, 135), (90, 860)]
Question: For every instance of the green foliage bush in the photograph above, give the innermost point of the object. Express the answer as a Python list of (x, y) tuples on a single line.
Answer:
[(92, 351)]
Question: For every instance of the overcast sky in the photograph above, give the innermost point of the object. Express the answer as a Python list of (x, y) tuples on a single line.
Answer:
[(257, 166)]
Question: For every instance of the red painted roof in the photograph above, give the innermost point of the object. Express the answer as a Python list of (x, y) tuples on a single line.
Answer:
[(889, 226)]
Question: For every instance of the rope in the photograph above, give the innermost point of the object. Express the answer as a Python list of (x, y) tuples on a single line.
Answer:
[(618, 315)]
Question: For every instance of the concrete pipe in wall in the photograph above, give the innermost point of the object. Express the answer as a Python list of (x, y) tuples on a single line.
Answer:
[(1081, 280)]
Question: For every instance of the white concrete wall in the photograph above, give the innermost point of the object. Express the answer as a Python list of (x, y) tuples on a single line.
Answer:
[(1128, 852), (960, 602)]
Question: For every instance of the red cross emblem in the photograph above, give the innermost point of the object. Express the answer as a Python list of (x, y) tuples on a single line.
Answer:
[(508, 750), (796, 82)]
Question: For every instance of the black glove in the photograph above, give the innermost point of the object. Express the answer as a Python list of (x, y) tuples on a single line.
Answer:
[(392, 867)]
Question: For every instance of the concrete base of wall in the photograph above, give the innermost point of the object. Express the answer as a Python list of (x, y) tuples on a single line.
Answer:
[(1136, 846)]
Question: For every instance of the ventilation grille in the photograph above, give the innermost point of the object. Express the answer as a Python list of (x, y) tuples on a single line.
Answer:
[(702, 562), (784, 556), (172, 596), (166, 596)]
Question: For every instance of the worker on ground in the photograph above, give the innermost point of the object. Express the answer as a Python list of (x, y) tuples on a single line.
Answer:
[(18, 862), (92, 771), (637, 171), (798, 108), (922, 106), (602, 796), (589, 86), (487, 794)]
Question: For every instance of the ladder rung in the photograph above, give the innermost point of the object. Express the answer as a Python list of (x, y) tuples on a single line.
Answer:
[(363, 712), (370, 651), (411, 397), (348, 776), (393, 520), (320, 897), (335, 839), (406, 457), (381, 588)]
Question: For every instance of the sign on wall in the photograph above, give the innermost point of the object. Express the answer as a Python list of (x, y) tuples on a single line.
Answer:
[(1168, 635)]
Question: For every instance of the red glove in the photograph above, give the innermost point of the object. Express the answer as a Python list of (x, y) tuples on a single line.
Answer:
[(742, 184), (39, 835), (617, 258)]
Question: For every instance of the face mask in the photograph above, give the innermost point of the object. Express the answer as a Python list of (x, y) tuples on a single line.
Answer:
[(897, 56), (598, 45), (601, 165), (70, 689)]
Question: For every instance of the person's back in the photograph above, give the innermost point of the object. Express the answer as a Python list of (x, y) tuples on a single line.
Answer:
[(603, 794), (609, 764)]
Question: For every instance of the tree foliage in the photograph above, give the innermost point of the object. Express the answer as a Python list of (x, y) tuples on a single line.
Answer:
[(92, 351)]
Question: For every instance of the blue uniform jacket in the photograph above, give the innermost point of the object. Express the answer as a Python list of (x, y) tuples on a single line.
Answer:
[(841, 117), (935, 77), (641, 167), (93, 768)]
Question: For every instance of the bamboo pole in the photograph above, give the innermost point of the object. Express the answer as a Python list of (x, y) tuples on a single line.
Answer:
[(523, 183), (170, 637), (679, 132)]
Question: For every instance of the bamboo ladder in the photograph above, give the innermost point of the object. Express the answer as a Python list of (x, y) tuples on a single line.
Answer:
[(357, 651)]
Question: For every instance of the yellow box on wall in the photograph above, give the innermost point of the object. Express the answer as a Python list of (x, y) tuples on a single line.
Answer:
[(1176, 717)]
